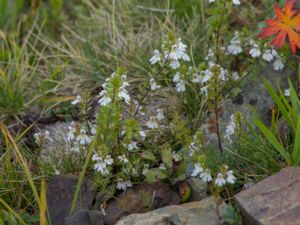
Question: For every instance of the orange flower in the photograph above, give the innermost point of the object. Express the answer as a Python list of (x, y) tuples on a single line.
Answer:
[(286, 24)]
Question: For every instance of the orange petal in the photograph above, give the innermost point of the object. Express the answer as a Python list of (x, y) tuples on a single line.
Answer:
[(279, 40)]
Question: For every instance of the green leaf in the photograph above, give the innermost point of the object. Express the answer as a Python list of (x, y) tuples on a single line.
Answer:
[(148, 155), (166, 155), (273, 140), (154, 175), (296, 148)]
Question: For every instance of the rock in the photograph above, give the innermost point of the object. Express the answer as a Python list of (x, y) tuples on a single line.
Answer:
[(86, 217), (199, 189), (273, 201), (140, 198), (192, 213), (60, 193)]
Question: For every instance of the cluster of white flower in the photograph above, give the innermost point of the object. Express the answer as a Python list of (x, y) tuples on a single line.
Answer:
[(153, 85), (180, 83), (226, 176), (123, 185), (153, 121), (122, 94), (234, 48), (235, 2), (102, 164), (40, 137), (78, 136), (132, 146), (287, 92), (268, 55)]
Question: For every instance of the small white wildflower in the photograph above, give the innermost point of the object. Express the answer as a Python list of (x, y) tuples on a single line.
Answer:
[(287, 93), (230, 177), (162, 166), (211, 1), (205, 175), (236, 2), (204, 90), (153, 85), (278, 64), (230, 129), (123, 158), (269, 55), (132, 146), (42, 136), (160, 114), (255, 51), (101, 167), (83, 138), (178, 51), (104, 98), (123, 185), (220, 181), (234, 47), (156, 57), (123, 94), (77, 100), (197, 170), (236, 76), (176, 157), (180, 86), (108, 160), (152, 123), (209, 55), (145, 169), (174, 64)]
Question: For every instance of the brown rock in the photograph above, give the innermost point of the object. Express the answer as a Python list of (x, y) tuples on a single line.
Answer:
[(60, 193), (140, 198), (273, 201)]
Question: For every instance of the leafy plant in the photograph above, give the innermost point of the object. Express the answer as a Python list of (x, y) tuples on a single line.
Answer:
[(285, 24), (289, 107)]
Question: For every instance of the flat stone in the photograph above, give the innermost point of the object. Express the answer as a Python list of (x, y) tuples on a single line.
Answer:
[(60, 193), (86, 217), (192, 213), (273, 201), (140, 198)]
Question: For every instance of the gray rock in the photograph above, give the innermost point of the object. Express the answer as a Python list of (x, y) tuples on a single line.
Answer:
[(198, 189), (193, 213), (86, 217), (60, 193), (273, 201)]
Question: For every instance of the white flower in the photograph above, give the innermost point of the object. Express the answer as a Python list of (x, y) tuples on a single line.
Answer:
[(176, 77), (160, 114), (176, 157), (101, 167), (123, 185), (105, 100), (174, 64), (178, 52), (230, 129), (153, 85), (211, 1), (205, 175), (197, 169), (180, 86), (145, 169), (236, 2), (42, 136), (287, 93), (132, 146), (108, 160), (220, 181), (234, 47), (156, 57), (123, 94), (152, 123), (255, 51), (278, 64), (204, 90), (209, 55), (71, 133), (143, 135), (236, 76), (162, 166), (269, 54), (123, 158), (77, 100), (230, 177), (83, 138)]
